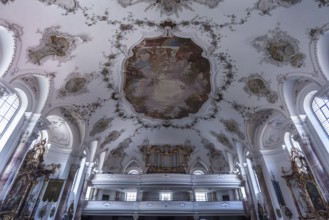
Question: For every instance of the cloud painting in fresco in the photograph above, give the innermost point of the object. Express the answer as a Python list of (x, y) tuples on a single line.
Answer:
[(167, 78)]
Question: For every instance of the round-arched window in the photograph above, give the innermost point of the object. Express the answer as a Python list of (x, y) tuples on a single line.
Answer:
[(133, 172), (8, 108), (198, 172)]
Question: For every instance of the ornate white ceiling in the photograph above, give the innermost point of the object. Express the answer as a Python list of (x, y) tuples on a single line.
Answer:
[(81, 47)]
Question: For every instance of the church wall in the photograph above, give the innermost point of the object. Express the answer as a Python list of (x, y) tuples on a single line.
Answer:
[(275, 159)]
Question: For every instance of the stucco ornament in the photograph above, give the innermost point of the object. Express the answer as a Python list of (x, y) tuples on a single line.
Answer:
[(169, 7), (100, 126), (279, 48), (256, 85), (55, 45), (266, 6)]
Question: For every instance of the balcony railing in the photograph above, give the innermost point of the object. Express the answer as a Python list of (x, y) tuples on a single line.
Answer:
[(154, 207), (214, 180)]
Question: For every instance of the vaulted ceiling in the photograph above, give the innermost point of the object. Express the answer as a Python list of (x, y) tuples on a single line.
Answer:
[(189, 72)]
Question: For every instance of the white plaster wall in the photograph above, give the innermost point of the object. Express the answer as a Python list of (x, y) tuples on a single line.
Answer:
[(275, 159)]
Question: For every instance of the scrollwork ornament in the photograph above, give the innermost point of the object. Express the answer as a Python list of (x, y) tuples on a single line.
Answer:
[(170, 7), (287, 212)]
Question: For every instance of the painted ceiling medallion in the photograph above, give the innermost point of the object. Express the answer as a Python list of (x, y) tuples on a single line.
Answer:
[(223, 139), (169, 7), (100, 126), (279, 48), (233, 127), (68, 5), (76, 84), (167, 78), (112, 136), (256, 85), (54, 45), (266, 6)]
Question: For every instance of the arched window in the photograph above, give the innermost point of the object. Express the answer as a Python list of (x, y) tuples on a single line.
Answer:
[(133, 172), (198, 172), (8, 108), (320, 106)]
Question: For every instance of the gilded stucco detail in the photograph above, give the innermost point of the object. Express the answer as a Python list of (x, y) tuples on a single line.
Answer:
[(170, 7), (75, 84), (82, 112), (116, 156), (266, 6), (54, 45), (100, 126), (67, 5), (256, 85), (300, 84), (32, 83), (233, 127), (216, 158), (279, 49), (223, 139), (261, 116), (322, 3), (6, 1), (111, 137)]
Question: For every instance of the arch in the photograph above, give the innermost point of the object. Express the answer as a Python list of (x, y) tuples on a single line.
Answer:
[(16, 118), (321, 46), (60, 133), (7, 48), (314, 124), (73, 123), (60, 144), (320, 107), (36, 85), (292, 89), (9, 104), (133, 167), (198, 166), (261, 126)]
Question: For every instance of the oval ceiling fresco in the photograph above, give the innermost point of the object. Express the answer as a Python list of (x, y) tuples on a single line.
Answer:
[(167, 78)]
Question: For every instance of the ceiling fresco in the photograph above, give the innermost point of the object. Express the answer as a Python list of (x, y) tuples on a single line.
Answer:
[(164, 70), (167, 78)]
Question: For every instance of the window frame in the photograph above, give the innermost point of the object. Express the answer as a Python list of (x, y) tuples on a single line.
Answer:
[(318, 110), (201, 196), (163, 196), (131, 196), (13, 106)]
